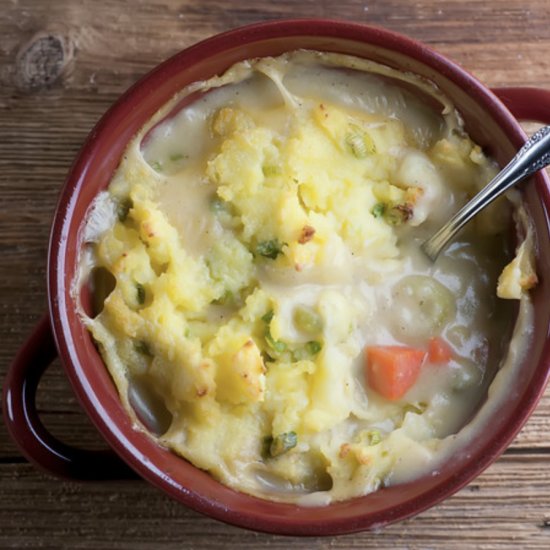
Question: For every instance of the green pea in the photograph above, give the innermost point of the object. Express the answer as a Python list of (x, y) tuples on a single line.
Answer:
[(270, 170), (275, 345), (269, 249), (313, 348), (177, 156), (306, 351), (373, 437), (268, 316), (378, 210), (140, 294), (465, 376), (123, 209), (307, 320), (142, 347), (227, 298), (423, 307), (416, 408), (282, 443), (359, 143)]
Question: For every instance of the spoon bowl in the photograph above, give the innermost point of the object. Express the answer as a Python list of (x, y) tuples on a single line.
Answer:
[(532, 157)]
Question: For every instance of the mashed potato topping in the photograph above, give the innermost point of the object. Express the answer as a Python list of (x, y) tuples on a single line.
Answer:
[(270, 316)]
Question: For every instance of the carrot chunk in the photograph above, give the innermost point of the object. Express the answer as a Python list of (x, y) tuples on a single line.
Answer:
[(393, 370), (439, 351)]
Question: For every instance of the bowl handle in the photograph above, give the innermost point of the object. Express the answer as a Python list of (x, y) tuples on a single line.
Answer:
[(28, 432), (528, 104)]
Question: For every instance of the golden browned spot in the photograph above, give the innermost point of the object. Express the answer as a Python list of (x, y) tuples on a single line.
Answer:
[(528, 282), (201, 392), (363, 459), (345, 448), (414, 193), (148, 229), (306, 234), (404, 212), (406, 209), (248, 344)]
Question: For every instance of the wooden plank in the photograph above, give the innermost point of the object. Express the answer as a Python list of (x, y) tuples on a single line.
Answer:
[(42, 125), (509, 502)]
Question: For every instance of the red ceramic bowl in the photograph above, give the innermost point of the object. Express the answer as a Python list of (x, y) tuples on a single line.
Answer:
[(490, 118)]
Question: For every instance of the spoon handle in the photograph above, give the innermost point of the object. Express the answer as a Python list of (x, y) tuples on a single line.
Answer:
[(532, 157)]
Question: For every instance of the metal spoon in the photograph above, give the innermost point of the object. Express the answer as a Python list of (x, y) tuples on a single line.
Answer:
[(532, 157)]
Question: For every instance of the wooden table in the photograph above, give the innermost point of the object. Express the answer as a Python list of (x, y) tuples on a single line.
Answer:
[(62, 63)]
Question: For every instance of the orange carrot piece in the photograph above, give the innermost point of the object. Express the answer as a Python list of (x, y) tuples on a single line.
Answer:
[(439, 351), (393, 370)]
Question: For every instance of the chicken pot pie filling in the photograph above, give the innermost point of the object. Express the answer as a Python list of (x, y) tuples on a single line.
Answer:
[(261, 300)]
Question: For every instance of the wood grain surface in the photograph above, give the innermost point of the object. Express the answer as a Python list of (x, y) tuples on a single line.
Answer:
[(62, 63)]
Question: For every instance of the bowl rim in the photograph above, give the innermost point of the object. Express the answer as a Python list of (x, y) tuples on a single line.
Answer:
[(115, 431)]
